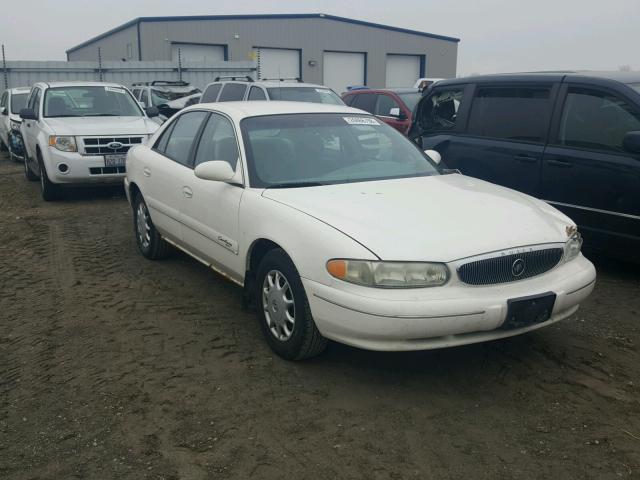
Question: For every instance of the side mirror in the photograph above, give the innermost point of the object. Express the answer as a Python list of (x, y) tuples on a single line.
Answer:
[(631, 142), (433, 155), (28, 114), (4, 111), (152, 112), (216, 170)]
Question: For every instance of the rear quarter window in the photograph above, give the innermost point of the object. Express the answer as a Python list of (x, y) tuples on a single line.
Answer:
[(232, 92), (211, 93)]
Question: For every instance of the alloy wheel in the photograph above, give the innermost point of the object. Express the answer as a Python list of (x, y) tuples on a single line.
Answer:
[(143, 225)]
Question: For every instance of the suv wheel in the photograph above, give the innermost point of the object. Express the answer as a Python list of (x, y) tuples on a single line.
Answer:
[(50, 191), (149, 241), (283, 309)]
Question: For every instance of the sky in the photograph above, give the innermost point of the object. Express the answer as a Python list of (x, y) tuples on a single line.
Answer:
[(496, 35)]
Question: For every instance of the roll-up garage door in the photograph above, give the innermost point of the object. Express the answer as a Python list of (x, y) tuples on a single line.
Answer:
[(193, 52), (341, 69), (275, 63), (402, 70)]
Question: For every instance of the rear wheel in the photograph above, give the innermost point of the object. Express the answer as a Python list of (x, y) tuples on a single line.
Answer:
[(149, 241), (283, 309), (50, 191)]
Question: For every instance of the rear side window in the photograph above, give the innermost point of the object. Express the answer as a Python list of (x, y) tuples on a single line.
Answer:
[(365, 101), (440, 112), (232, 92), (511, 113), (211, 93), (593, 119), (181, 137), (256, 93)]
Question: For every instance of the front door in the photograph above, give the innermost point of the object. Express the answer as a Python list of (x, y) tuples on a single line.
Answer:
[(586, 171)]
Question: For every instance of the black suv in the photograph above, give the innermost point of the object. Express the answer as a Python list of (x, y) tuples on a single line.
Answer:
[(569, 138)]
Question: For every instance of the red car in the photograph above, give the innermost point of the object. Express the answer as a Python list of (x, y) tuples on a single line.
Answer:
[(393, 106)]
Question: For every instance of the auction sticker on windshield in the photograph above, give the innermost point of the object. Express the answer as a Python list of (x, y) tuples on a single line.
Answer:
[(112, 89), (361, 121)]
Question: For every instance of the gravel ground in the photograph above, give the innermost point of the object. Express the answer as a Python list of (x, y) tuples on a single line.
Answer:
[(113, 366)]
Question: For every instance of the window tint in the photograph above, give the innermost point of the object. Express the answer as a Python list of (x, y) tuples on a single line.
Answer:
[(18, 102), (256, 93), (440, 112), (211, 93), (596, 120), (512, 113), (181, 138), (161, 143), (365, 101), (384, 105), (218, 142), (34, 102), (232, 92)]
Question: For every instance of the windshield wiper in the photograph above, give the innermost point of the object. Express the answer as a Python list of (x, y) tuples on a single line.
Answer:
[(295, 185)]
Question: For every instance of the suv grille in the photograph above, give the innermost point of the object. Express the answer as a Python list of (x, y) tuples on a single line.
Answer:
[(98, 145), (509, 268)]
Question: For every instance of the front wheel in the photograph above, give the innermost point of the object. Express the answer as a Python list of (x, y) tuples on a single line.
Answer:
[(283, 309), (149, 241), (50, 191)]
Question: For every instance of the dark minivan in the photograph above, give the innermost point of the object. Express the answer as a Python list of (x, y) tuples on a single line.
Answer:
[(569, 138)]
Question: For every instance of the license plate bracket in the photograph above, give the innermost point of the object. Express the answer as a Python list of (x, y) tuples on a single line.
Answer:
[(115, 160), (525, 311)]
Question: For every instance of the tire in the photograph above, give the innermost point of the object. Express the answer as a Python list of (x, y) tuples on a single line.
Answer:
[(50, 191), (151, 244), (3, 147), (276, 305), (29, 175)]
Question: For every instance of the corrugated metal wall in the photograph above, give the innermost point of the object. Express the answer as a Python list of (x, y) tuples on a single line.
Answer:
[(21, 74)]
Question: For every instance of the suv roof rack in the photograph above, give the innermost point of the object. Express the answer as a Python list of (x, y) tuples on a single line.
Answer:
[(297, 79), (245, 78), (178, 83)]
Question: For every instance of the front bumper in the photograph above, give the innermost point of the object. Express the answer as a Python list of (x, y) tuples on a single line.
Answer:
[(81, 169), (422, 319)]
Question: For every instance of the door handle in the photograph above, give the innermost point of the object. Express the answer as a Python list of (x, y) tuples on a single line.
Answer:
[(560, 163), (526, 158), (146, 171), (187, 192)]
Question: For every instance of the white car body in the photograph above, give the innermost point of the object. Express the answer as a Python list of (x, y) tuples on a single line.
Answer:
[(87, 164), (451, 219), (9, 116)]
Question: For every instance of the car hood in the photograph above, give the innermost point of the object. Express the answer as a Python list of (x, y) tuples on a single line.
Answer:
[(438, 218), (98, 126)]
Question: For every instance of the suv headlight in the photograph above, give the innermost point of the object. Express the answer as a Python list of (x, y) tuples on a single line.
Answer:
[(64, 144), (389, 274), (572, 247)]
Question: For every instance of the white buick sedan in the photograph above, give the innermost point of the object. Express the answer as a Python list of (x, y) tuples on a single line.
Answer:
[(339, 228)]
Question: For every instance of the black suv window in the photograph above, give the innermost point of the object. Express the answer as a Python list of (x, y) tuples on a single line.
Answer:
[(440, 112), (365, 101), (211, 93), (181, 137), (595, 120), (232, 92), (512, 113)]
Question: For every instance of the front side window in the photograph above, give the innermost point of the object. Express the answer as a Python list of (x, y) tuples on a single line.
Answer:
[(440, 112), (180, 140), (90, 101), (218, 142), (211, 93), (365, 101), (299, 149), (232, 92), (18, 102), (305, 94), (256, 93), (511, 113), (593, 119), (34, 101), (385, 105)]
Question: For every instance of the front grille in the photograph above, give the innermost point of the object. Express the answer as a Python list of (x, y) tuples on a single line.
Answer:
[(107, 170), (98, 145), (506, 268)]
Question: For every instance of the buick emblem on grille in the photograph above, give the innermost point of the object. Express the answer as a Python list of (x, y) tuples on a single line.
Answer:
[(517, 267), (114, 145)]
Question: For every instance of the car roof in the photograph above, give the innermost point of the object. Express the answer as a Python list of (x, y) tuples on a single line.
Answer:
[(274, 84), (553, 76), (381, 90), (240, 110), (79, 84)]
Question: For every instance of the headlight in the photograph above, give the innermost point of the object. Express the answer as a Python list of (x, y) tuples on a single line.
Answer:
[(15, 125), (572, 247), (64, 144), (389, 274)]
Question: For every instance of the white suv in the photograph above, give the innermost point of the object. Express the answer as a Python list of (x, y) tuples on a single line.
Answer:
[(230, 89), (79, 133)]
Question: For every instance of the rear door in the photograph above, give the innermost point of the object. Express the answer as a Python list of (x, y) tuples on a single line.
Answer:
[(586, 171)]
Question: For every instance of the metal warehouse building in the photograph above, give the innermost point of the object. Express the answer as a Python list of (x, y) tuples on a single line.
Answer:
[(316, 48)]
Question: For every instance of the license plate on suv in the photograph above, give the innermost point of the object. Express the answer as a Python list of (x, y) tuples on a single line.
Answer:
[(115, 160), (525, 311)]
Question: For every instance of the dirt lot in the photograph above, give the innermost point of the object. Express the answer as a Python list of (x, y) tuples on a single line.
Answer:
[(113, 366)]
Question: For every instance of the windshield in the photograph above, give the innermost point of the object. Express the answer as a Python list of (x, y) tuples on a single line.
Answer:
[(18, 102), (322, 149), (90, 101), (635, 86), (410, 99), (163, 95), (305, 94)]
